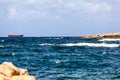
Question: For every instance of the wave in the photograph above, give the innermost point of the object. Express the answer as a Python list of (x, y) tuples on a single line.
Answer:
[(1, 46), (46, 44), (58, 38), (109, 39), (91, 44), (2, 40), (82, 44)]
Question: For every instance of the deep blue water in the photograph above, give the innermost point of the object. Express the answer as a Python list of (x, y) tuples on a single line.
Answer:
[(64, 58)]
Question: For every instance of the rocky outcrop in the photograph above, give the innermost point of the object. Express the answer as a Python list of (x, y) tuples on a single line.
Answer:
[(106, 35), (10, 72)]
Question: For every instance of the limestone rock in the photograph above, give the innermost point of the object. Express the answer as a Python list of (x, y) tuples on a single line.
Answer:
[(106, 35), (10, 72), (23, 77)]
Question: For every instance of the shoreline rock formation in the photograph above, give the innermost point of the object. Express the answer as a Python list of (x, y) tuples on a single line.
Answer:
[(106, 35), (10, 72)]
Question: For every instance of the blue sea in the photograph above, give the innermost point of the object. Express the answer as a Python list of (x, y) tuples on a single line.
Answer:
[(64, 58)]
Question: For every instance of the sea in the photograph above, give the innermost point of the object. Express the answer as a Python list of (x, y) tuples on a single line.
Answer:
[(64, 58)]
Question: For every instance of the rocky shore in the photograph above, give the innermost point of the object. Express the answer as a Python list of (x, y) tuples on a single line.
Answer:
[(8, 71), (106, 35)]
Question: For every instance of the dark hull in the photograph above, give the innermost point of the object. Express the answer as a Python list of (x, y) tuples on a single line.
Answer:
[(15, 36)]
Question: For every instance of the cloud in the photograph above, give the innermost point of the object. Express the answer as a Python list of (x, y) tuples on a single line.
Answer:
[(73, 5), (12, 14), (31, 1), (97, 7), (47, 8), (34, 14), (117, 1)]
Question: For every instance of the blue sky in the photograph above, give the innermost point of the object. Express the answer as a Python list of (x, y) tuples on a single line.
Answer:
[(59, 17)]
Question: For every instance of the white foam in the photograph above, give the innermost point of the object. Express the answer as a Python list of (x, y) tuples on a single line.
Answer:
[(57, 61), (1, 46), (2, 40), (13, 54), (82, 44), (58, 38), (109, 39), (46, 44), (91, 44)]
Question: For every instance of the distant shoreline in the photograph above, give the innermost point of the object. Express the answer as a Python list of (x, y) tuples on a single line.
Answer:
[(105, 35)]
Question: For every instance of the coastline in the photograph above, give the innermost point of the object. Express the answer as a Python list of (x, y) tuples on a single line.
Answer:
[(105, 35)]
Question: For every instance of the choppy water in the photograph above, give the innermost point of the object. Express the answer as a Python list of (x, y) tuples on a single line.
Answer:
[(64, 58)]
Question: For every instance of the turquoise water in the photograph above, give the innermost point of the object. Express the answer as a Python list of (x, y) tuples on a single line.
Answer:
[(64, 58)]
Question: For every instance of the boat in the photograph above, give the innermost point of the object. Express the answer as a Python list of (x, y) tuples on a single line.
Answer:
[(15, 36)]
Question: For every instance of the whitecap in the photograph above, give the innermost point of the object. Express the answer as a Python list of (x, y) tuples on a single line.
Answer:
[(82, 44), (57, 61), (13, 54), (58, 38), (109, 39), (1, 46), (46, 44), (2, 40), (91, 44)]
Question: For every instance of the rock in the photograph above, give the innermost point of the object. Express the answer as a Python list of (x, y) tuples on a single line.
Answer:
[(23, 77), (23, 71), (10, 72), (8, 69), (2, 77), (106, 35)]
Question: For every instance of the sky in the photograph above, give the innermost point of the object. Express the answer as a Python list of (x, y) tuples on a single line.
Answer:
[(59, 17)]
